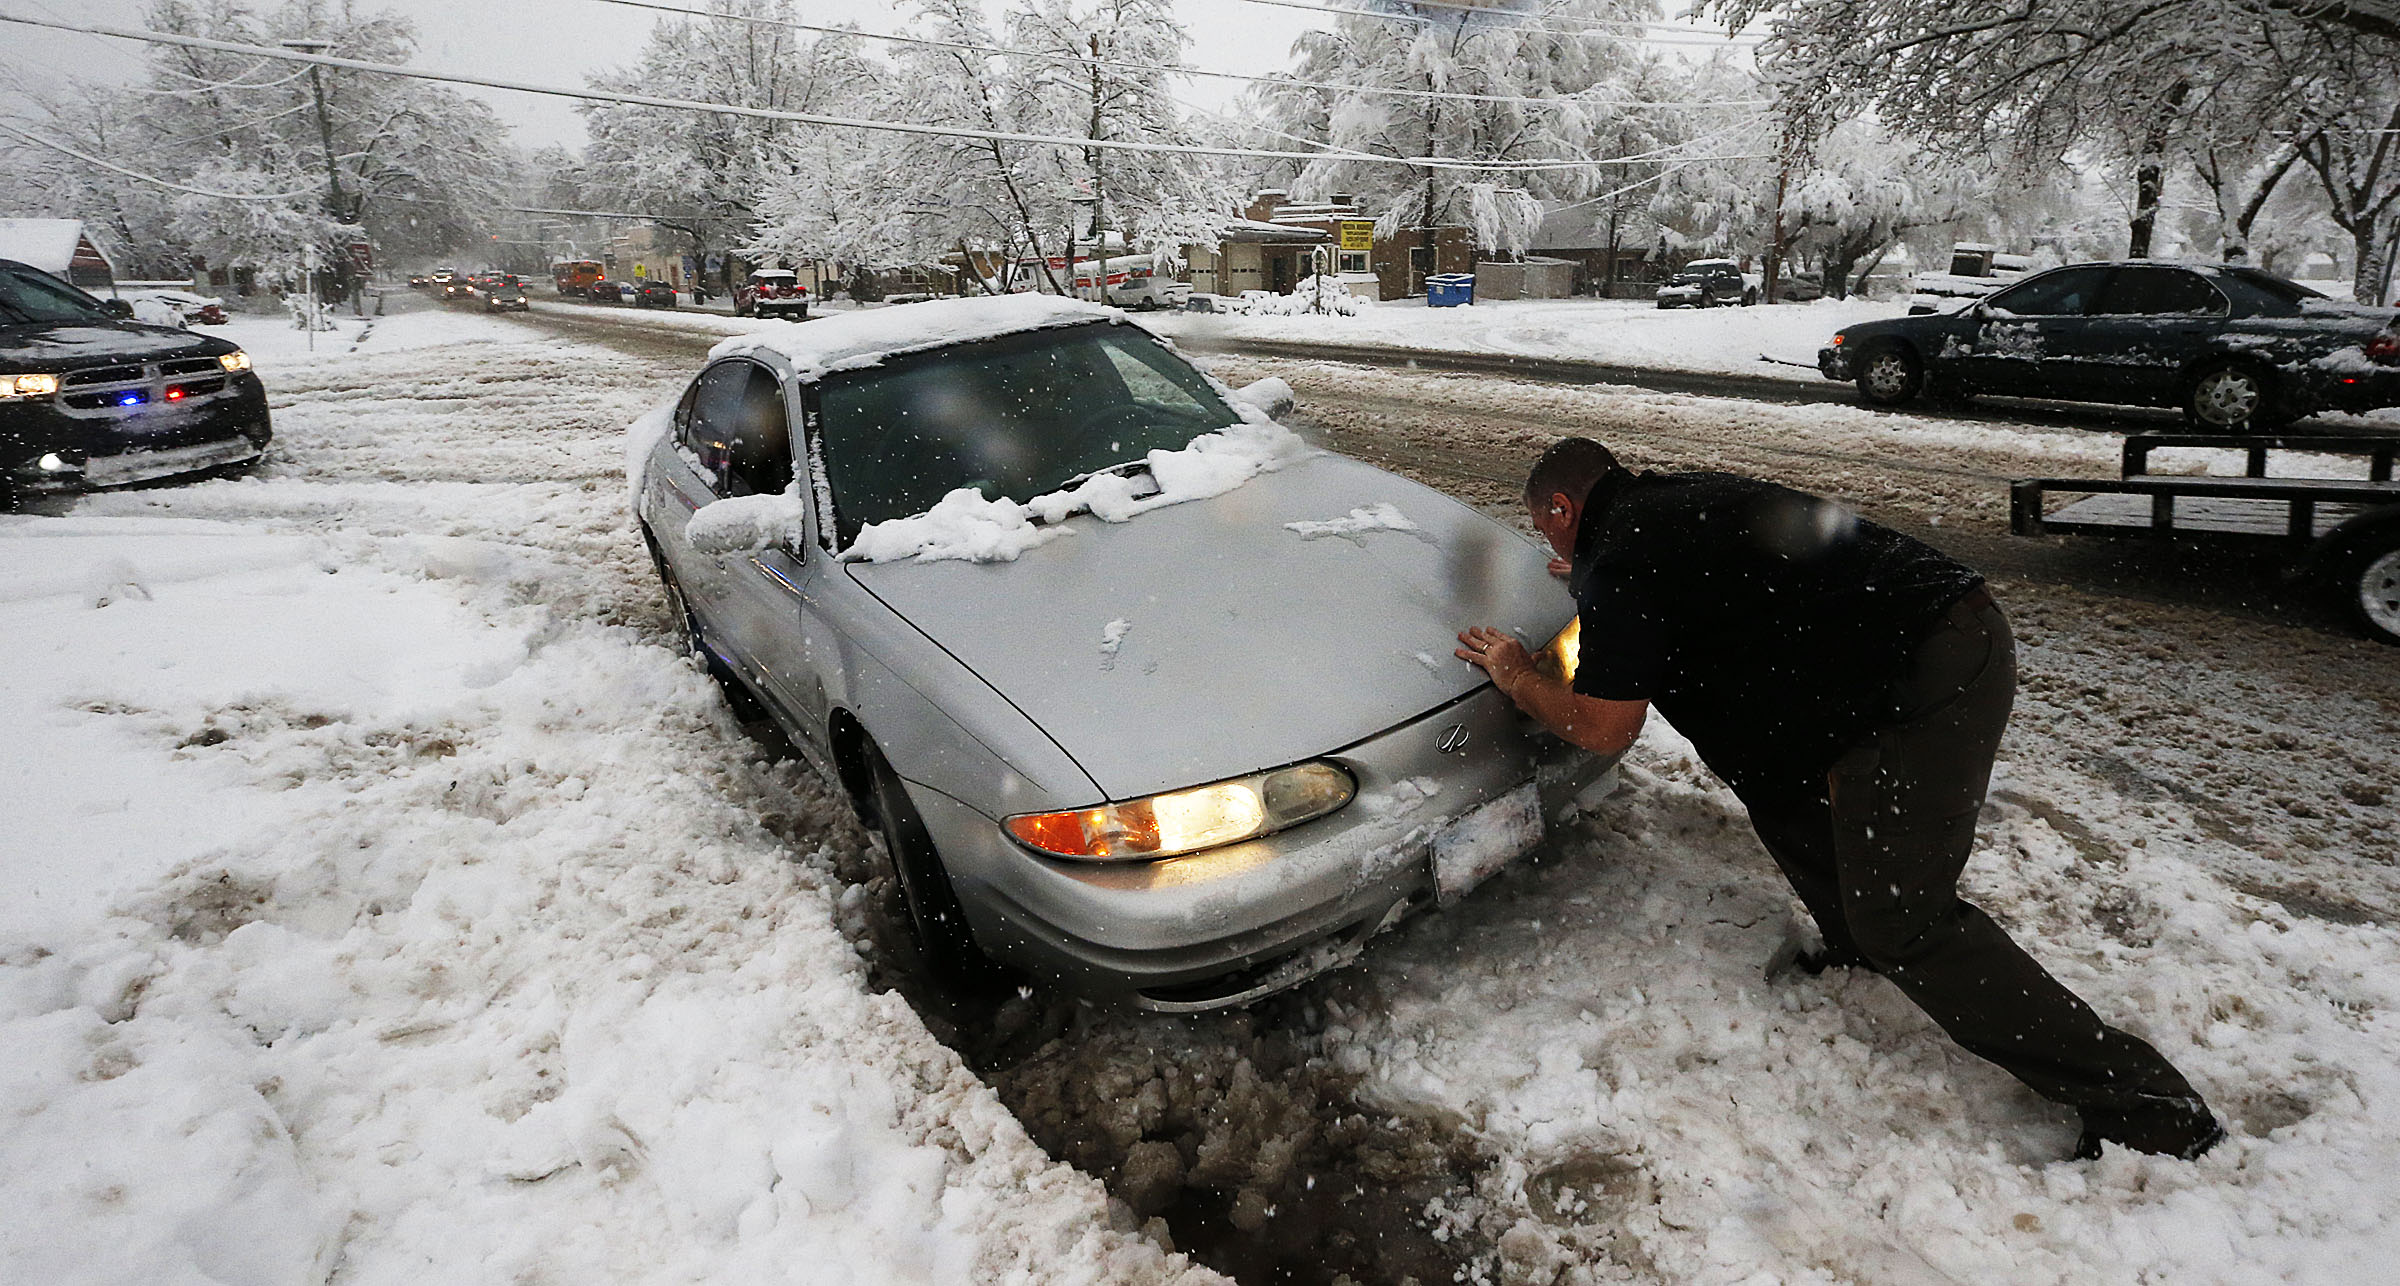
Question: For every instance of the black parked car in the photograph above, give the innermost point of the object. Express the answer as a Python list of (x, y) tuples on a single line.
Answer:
[(91, 399), (653, 293), (2236, 348)]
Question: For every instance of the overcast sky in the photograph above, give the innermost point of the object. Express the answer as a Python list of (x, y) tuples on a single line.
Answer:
[(559, 42)]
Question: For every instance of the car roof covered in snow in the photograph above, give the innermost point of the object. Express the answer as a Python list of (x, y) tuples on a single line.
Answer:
[(847, 341)]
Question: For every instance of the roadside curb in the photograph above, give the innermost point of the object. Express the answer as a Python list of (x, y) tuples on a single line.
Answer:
[(1553, 370)]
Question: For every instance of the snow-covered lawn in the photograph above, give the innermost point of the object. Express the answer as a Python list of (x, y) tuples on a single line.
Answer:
[(394, 905), (1620, 332), (391, 905)]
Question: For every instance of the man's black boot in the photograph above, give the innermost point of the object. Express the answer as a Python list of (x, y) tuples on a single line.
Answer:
[(1793, 957), (2182, 1128)]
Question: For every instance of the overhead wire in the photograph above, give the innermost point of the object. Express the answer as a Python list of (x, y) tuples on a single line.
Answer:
[(90, 159), (1080, 60), (1594, 25), (803, 118)]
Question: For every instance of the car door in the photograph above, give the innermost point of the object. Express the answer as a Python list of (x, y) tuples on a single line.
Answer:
[(2148, 324), (2026, 337), (765, 589), (684, 477)]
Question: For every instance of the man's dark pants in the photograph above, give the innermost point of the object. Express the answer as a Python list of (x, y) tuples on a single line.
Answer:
[(1875, 849)]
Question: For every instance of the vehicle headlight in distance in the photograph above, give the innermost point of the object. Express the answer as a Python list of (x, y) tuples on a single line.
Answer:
[(28, 385), (237, 360), (1187, 821), (1558, 659)]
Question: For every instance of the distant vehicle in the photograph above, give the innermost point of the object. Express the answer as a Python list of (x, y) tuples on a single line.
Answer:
[(1706, 283), (1216, 797), (2238, 349), (91, 399), (182, 306), (1130, 281), (504, 293), (1976, 270), (575, 276), (653, 293), (600, 290), (455, 287), (772, 292)]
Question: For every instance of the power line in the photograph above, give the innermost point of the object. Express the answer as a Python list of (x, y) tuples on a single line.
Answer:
[(1077, 60), (55, 146), (1593, 28), (802, 118)]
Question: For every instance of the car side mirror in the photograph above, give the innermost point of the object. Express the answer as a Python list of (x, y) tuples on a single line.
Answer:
[(1271, 395), (117, 308)]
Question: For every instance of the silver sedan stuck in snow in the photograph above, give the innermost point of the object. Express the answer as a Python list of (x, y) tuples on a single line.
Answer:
[(1142, 695)]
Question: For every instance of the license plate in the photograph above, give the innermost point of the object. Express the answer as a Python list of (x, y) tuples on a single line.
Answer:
[(1468, 850)]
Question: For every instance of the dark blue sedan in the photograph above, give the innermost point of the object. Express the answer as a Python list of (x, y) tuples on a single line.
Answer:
[(2238, 349)]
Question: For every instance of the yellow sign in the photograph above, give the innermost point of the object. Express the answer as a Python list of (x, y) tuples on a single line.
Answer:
[(1358, 234)]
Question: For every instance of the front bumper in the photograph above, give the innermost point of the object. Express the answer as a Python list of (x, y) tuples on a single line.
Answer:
[(1833, 362), (46, 448), (1234, 924)]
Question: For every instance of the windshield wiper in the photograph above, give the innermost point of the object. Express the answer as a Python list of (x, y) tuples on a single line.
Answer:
[(1123, 469)]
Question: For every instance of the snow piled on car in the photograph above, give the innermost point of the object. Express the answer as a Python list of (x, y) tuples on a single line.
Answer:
[(851, 340)]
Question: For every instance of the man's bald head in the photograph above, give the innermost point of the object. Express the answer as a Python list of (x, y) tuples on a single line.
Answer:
[(1570, 468)]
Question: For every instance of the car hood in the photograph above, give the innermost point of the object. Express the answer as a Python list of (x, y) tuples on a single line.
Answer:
[(1239, 644), (67, 346)]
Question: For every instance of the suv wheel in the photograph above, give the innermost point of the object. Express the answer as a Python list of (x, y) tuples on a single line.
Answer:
[(1891, 376), (2227, 398)]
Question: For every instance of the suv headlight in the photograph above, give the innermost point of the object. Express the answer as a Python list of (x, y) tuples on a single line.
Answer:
[(237, 360), (1187, 821), (28, 385)]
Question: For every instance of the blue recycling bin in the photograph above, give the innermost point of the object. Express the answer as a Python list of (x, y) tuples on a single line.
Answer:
[(1449, 289)]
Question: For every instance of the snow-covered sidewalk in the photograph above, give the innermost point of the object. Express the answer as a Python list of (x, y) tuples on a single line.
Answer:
[(391, 904), (1616, 332)]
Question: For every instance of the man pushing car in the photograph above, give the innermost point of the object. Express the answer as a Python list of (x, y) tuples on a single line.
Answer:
[(1851, 685)]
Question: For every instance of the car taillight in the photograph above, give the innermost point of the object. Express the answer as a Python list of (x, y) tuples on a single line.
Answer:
[(2385, 348)]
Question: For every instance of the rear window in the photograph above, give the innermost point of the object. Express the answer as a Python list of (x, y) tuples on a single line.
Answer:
[(2253, 291), (1016, 417)]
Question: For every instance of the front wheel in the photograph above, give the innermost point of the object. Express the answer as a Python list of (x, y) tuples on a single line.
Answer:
[(1749, 297), (2227, 398), (2371, 582), (1891, 376), (937, 925)]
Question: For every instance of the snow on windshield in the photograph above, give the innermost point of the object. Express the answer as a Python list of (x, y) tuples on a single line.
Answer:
[(967, 526)]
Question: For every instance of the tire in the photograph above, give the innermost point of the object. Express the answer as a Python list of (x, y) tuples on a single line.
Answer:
[(937, 925), (2370, 583), (2228, 397), (1749, 298), (1664, 304), (1890, 376)]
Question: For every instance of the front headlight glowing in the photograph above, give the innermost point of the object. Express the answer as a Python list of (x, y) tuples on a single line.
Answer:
[(237, 360), (28, 385), (1558, 659), (1187, 821)]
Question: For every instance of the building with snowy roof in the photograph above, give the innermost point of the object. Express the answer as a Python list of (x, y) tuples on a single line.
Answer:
[(60, 248)]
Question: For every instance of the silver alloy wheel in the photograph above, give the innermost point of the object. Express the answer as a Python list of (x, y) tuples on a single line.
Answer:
[(2379, 593), (2227, 397), (1887, 375)]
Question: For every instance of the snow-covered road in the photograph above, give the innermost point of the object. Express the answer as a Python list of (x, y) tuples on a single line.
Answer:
[(392, 904)]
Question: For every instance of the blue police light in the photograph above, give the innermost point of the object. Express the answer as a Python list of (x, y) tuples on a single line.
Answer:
[(132, 399)]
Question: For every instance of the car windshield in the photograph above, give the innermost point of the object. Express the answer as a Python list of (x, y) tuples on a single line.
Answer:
[(1017, 417), (28, 296)]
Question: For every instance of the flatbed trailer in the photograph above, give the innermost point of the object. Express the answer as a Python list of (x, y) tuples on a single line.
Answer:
[(2343, 531)]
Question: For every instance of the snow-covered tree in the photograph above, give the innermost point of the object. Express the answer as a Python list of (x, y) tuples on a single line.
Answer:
[(706, 174), (1543, 85), (1865, 191), (401, 163)]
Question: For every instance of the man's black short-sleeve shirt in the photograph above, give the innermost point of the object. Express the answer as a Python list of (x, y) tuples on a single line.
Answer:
[(1767, 625)]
